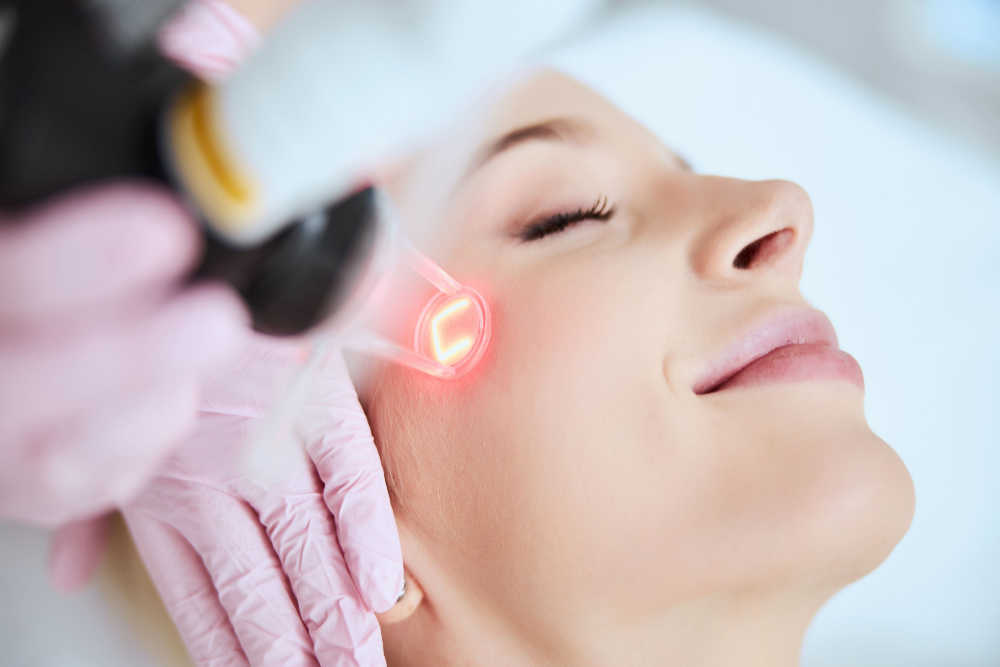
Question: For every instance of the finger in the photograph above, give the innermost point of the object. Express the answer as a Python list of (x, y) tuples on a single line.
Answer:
[(245, 571), (48, 380), (343, 629), (208, 38), (103, 459), (75, 552), (340, 443), (257, 379), (91, 247), (187, 592)]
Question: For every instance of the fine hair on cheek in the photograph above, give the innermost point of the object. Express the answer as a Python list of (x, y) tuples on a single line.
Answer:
[(393, 429), (408, 414)]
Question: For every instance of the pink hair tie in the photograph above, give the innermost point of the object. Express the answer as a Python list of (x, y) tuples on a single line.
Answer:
[(208, 38)]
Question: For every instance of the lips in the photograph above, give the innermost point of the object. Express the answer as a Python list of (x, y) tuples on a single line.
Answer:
[(792, 345)]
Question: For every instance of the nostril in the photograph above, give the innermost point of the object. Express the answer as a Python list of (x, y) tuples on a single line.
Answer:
[(747, 255), (763, 249)]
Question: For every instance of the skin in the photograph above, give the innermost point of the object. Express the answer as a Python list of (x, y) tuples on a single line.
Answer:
[(572, 500)]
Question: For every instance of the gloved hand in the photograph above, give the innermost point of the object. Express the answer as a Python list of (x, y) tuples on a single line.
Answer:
[(101, 356), (116, 249), (274, 554)]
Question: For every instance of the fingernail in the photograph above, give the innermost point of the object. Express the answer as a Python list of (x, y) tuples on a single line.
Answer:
[(209, 38)]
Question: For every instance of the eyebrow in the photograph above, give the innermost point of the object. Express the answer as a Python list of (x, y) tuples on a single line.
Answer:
[(561, 129)]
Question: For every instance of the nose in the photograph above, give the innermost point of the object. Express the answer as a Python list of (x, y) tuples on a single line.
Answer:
[(754, 229)]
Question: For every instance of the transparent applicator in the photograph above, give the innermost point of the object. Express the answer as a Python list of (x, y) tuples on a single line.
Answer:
[(346, 272), (406, 309), (403, 308)]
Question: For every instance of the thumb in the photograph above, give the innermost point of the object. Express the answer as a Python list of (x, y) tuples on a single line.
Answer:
[(75, 552), (208, 38)]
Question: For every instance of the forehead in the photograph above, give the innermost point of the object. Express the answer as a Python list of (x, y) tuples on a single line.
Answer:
[(545, 94), (534, 97)]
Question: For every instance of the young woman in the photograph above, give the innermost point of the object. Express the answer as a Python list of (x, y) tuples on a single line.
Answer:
[(663, 457), (602, 489)]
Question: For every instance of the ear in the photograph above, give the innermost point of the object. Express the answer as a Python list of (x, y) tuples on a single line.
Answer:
[(408, 602)]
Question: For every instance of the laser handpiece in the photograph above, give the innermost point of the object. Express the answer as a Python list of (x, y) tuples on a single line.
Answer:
[(260, 178), (401, 305)]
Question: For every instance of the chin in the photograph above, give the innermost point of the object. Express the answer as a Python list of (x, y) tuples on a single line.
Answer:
[(840, 498), (871, 511), (861, 503)]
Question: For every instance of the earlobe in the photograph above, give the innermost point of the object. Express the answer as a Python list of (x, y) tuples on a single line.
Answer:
[(412, 596)]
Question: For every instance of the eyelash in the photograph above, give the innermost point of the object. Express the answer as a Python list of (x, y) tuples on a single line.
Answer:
[(601, 210)]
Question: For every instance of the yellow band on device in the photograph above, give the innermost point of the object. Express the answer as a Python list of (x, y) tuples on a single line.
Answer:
[(205, 165)]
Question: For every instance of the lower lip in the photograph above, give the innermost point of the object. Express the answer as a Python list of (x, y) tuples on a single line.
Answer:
[(791, 363)]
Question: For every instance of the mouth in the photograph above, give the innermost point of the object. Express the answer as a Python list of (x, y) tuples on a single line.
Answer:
[(793, 345)]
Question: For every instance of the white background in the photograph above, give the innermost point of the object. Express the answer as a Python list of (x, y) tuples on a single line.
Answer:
[(905, 262)]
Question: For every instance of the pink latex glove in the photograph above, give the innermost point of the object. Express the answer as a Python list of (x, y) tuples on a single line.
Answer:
[(274, 557), (209, 38), (100, 354)]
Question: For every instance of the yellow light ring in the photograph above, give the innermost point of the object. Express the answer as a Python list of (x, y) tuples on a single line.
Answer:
[(444, 352), (205, 166), (436, 336)]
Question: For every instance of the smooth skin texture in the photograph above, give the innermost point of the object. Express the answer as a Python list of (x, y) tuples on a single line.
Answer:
[(572, 501)]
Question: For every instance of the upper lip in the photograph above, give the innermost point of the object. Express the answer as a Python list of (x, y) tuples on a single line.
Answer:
[(786, 327)]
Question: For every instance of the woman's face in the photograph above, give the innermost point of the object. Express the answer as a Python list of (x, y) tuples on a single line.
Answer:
[(576, 472)]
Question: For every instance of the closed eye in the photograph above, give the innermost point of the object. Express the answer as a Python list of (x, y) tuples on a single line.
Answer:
[(533, 231)]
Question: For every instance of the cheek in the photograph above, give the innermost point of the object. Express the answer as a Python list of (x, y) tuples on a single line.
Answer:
[(568, 439)]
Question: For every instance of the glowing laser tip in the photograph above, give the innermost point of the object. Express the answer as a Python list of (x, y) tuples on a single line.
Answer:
[(458, 349)]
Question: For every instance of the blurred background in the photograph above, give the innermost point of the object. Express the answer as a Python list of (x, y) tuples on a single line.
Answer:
[(888, 113), (938, 58)]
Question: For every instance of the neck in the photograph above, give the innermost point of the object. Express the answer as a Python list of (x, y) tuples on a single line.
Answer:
[(746, 630), (749, 631)]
